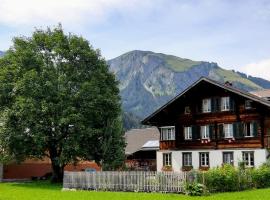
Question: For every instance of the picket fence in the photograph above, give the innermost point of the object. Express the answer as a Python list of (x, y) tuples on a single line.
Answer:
[(143, 181)]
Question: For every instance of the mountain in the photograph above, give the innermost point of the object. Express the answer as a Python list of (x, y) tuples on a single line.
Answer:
[(148, 80), (1, 53)]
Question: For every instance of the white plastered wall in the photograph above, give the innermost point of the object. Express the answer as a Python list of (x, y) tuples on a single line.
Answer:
[(215, 157)]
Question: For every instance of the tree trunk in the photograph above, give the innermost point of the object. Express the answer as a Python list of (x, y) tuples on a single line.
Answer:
[(57, 172), (57, 167)]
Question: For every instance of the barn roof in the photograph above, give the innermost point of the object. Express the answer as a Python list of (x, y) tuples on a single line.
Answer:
[(141, 139)]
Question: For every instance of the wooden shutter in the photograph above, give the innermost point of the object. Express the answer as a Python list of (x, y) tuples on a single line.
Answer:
[(199, 106), (218, 104), (255, 129), (232, 104), (220, 131), (212, 131), (236, 130), (213, 105), (195, 132)]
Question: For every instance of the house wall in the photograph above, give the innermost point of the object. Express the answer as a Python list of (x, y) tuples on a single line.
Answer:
[(215, 157), (29, 169)]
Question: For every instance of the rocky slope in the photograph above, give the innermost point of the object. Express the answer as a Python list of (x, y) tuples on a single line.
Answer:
[(148, 79)]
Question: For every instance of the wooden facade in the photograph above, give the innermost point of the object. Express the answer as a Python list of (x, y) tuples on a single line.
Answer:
[(186, 111)]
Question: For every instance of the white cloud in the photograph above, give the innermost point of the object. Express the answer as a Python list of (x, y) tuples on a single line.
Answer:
[(258, 69), (40, 12)]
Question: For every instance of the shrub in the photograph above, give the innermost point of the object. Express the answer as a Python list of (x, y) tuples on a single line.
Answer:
[(221, 179), (261, 176), (195, 189)]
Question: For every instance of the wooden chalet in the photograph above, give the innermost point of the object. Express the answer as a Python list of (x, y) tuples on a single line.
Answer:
[(210, 124)]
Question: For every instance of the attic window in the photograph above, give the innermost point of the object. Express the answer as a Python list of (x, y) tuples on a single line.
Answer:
[(248, 104), (187, 110)]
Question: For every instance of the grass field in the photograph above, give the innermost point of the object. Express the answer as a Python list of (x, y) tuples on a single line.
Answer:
[(43, 190)]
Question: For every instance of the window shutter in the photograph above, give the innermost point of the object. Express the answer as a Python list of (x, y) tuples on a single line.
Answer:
[(199, 107), (220, 131), (213, 105), (238, 130), (164, 159), (212, 131), (235, 129), (218, 104), (241, 126), (255, 129), (195, 132), (232, 104)]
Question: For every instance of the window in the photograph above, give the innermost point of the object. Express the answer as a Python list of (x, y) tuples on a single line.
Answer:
[(228, 158), (204, 159), (168, 133), (206, 105), (248, 158), (187, 110), (187, 159), (248, 129), (225, 103), (228, 130), (167, 159), (248, 104), (188, 133), (205, 132)]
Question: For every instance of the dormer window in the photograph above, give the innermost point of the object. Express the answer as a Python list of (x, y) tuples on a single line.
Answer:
[(168, 133), (248, 104), (187, 110), (225, 103), (206, 105)]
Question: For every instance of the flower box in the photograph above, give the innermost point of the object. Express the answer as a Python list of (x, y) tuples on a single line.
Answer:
[(167, 168)]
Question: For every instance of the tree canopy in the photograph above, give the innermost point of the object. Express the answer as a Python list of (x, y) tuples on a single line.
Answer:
[(59, 99)]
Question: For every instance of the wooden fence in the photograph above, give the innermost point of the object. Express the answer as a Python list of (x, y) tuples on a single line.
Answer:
[(143, 181)]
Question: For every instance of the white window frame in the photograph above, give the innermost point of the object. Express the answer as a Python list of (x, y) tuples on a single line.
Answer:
[(228, 159), (248, 104), (248, 158), (167, 159), (205, 132), (204, 159), (167, 133), (225, 103), (228, 130), (188, 132), (187, 110), (206, 105), (251, 129), (187, 159)]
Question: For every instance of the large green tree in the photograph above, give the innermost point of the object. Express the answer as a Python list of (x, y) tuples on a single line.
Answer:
[(58, 99)]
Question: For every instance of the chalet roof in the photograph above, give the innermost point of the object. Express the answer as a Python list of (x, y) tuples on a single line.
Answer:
[(228, 87), (140, 139), (262, 93)]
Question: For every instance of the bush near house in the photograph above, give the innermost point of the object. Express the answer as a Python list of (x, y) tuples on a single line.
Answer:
[(228, 178)]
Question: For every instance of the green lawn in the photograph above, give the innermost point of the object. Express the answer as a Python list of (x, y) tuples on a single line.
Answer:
[(43, 190)]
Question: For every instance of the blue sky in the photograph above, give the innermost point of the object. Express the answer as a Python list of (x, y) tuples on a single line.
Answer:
[(233, 33)]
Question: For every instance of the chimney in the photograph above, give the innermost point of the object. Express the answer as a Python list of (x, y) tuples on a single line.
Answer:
[(228, 83)]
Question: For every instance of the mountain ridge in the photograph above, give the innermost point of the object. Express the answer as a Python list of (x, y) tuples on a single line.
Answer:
[(148, 79)]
